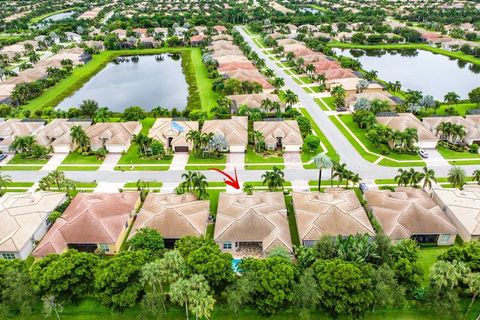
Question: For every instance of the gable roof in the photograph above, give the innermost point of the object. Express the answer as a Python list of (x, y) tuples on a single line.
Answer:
[(16, 128), (334, 212), (174, 216), (408, 211), (261, 217), (90, 218), (21, 214), (253, 100), (407, 120)]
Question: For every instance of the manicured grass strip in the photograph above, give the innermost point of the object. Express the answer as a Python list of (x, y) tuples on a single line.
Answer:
[(391, 163), (331, 153), (254, 160), (78, 168), (20, 168), (19, 184), (258, 185), (306, 80), (292, 222), (209, 163), (208, 97), (308, 156), (17, 159), (77, 159), (213, 195), (421, 46), (452, 154)]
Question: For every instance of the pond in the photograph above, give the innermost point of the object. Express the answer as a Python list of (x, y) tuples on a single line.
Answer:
[(430, 73), (146, 81), (59, 16)]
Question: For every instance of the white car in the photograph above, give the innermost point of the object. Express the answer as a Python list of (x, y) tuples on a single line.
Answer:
[(423, 154)]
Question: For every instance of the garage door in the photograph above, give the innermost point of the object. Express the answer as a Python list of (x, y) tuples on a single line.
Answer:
[(181, 149)]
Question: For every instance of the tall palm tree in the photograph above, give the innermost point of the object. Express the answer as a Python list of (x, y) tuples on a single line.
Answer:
[(257, 137), (274, 179), (80, 138), (415, 177), (102, 114), (321, 161), (403, 177), (456, 176), (193, 136), (290, 97), (428, 176), (340, 172), (278, 83), (5, 180)]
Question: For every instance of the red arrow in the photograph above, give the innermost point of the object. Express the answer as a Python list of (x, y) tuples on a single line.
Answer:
[(231, 182)]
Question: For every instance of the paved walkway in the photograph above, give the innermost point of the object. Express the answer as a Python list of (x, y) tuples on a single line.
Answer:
[(54, 161), (292, 160), (179, 161), (235, 160), (110, 162)]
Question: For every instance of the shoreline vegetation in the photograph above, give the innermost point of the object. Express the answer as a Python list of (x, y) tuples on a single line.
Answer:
[(419, 46), (197, 87)]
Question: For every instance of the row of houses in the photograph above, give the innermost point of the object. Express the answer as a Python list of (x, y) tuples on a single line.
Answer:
[(428, 128), (246, 225), (116, 137), (232, 63), (335, 75)]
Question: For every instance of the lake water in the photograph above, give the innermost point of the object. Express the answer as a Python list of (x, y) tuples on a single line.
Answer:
[(147, 83), (59, 16), (430, 73)]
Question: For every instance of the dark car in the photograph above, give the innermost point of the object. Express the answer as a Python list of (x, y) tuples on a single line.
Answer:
[(2, 156), (363, 187)]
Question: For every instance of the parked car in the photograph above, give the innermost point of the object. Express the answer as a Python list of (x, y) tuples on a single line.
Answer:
[(2, 156), (363, 187), (423, 154)]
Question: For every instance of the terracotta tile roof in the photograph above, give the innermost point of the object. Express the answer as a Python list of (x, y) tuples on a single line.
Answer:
[(471, 130), (408, 120), (235, 130), (288, 130), (232, 66), (407, 212), (113, 133), (57, 132), (16, 128), (174, 216), (162, 130), (91, 218), (334, 212), (22, 214), (261, 217), (253, 100)]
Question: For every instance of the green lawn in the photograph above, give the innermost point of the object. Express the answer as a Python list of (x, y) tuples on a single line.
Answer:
[(132, 156), (82, 74), (461, 108), (307, 156), (427, 258), (452, 154), (253, 157), (17, 159), (213, 195), (306, 80), (292, 222), (413, 159), (24, 164), (330, 149), (76, 160), (420, 46), (193, 163), (151, 184)]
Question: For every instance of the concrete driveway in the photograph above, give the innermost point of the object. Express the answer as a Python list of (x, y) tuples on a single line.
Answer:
[(5, 161), (110, 162), (235, 160), (292, 160), (179, 161), (54, 161)]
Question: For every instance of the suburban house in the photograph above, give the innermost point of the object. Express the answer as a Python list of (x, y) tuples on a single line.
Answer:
[(56, 134), (402, 121), (93, 221), (463, 209), (253, 101), (410, 213), (173, 215), (235, 131), (371, 96), (472, 133), (283, 134), (336, 212), (23, 219), (252, 225), (13, 128), (173, 133), (116, 137)]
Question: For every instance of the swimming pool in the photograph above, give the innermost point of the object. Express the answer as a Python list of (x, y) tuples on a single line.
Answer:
[(235, 263)]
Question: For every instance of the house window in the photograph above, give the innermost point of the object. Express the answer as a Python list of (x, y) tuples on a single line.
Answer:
[(444, 239), (227, 245), (8, 256), (105, 247)]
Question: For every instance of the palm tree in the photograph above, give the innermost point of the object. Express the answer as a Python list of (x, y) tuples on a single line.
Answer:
[(80, 138), (266, 104), (321, 161), (403, 177), (451, 98), (278, 83), (340, 170), (5, 180), (415, 177), (102, 114), (428, 176), (257, 138), (290, 97), (273, 179), (371, 75), (248, 188), (456, 176), (194, 137), (338, 93), (476, 175)]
